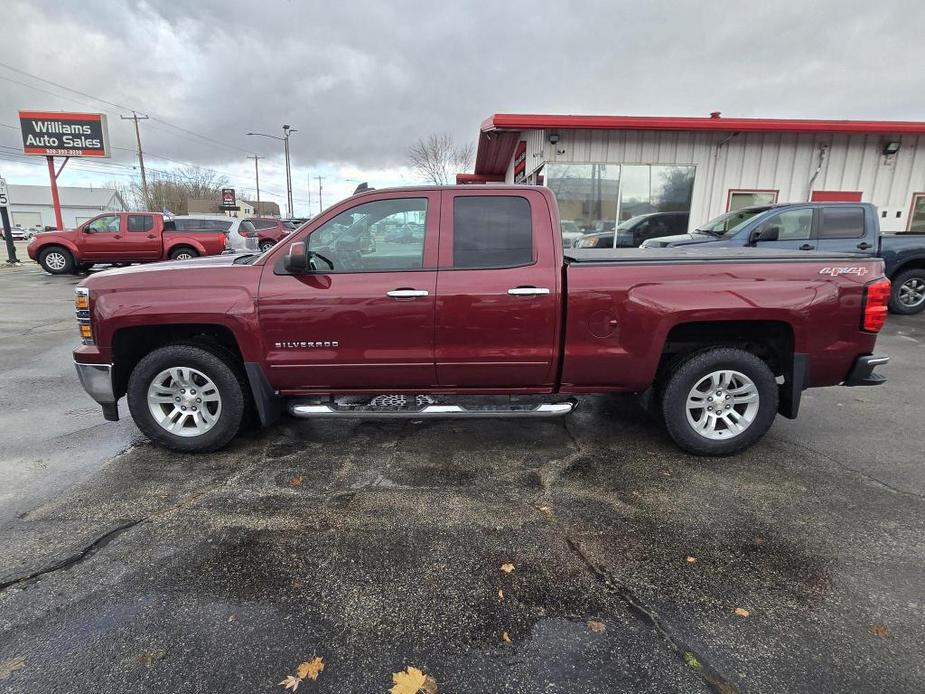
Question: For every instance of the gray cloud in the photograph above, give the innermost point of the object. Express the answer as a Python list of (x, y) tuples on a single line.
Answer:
[(361, 80)]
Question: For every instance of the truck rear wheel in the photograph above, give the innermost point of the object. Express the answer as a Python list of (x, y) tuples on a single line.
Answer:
[(908, 294), (186, 399), (719, 401), (183, 253), (56, 260)]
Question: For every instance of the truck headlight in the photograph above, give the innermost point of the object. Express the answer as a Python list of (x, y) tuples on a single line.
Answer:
[(82, 311)]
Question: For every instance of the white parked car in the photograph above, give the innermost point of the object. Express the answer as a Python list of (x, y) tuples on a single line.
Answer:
[(242, 236), (17, 233)]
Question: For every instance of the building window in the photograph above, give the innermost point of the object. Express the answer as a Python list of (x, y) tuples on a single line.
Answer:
[(749, 198), (917, 213), (597, 197)]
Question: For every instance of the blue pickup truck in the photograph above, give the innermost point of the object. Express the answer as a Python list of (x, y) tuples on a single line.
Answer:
[(820, 226)]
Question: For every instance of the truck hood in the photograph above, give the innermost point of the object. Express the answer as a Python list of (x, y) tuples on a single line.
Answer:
[(195, 271), (679, 240)]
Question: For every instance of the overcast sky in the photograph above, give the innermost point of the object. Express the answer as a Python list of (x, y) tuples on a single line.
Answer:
[(361, 80)]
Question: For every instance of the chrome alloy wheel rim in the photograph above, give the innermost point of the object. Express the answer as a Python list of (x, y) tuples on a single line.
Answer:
[(912, 292), (55, 260), (184, 401), (722, 405), (183, 256)]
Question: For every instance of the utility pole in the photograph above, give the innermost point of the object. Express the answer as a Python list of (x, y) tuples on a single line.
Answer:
[(257, 177), (141, 157), (320, 179), (309, 188)]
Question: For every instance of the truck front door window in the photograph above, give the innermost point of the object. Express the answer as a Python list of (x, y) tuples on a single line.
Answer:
[(793, 225), (103, 225), (375, 236)]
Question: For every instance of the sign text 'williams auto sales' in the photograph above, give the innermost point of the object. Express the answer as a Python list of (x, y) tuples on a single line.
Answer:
[(64, 134)]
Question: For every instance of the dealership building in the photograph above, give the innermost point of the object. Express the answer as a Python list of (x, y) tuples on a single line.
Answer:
[(31, 206), (607, 169)]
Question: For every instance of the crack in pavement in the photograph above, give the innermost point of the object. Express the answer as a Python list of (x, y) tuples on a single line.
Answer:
[(79, 556), (550, 474), (859, 473), (710, 676)]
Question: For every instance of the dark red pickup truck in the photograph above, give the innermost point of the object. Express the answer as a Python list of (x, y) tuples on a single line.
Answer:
[(121, 237), (482, 303)]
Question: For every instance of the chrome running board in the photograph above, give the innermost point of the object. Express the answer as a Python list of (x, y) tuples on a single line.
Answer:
[(549, 409)]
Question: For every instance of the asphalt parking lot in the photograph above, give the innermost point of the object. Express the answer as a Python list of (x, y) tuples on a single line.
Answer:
[(797, 566)]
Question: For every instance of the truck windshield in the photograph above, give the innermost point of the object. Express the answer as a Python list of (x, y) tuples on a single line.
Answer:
[(729, 223)]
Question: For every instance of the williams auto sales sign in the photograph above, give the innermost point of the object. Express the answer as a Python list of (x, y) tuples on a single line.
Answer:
[(64, 134)]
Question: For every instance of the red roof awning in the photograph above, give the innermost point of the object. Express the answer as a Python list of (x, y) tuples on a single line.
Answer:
[(500, 133)]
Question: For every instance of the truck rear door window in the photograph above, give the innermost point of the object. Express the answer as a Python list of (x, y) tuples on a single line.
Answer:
[(140, 222), (842, 223), (492, 231)]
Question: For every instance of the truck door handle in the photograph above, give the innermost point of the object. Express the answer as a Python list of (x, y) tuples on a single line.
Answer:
[(407, 293), (527, 291), (151, 236), (807, 247), (864, 245), (117, 236)]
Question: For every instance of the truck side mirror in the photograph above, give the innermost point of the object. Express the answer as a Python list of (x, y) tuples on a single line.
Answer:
[(771, 233), (296, 260)]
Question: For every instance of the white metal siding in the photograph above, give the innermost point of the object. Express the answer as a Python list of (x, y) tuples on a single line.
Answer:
[(776, 161)]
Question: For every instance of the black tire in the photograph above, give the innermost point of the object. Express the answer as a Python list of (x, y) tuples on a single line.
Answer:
[(51, 260), (266, 245), (228, 381), (689, 372), (83, 267), (184, 251), (901, 304)]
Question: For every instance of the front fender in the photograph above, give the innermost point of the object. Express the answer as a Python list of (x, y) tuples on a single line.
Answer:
[(35, 250)]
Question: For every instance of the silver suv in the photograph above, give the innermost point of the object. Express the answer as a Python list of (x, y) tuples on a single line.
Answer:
[(241, 236)]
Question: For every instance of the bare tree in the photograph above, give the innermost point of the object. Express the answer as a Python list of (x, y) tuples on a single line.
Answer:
[(437, 159), (173, 189)]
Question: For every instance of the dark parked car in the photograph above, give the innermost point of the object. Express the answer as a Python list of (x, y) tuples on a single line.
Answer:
[(633, 231), (830, 227)]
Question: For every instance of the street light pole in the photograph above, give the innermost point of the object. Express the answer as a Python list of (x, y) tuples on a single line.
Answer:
[(257, 178), (287, 131)]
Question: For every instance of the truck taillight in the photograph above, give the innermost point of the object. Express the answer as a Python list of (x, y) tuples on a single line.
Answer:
[(874, 303)]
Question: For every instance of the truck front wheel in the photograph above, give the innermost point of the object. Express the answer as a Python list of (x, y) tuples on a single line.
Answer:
[(56, 260), (719, 401), (186, 399)]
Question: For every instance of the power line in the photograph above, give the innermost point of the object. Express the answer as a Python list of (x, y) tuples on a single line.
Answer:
[(118, 106)]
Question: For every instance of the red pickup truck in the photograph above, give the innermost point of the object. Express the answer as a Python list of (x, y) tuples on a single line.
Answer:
[(120, 237), (485, 303)]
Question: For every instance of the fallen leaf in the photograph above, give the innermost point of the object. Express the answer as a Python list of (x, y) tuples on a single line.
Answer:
[(233, 618), (500, 594), (296, 481), (412, 681), (310, 669), (759, 540), (881, 630), (691, 661), (148, 659), (291, 682), (544, 509), (692, 560), (596, 626), (507, 568), (505, 637), (10, 666), (742, 612)]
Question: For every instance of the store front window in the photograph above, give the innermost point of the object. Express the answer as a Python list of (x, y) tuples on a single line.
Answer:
[(594, 198)]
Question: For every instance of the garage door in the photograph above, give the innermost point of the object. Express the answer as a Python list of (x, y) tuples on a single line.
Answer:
[(27, 220)]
